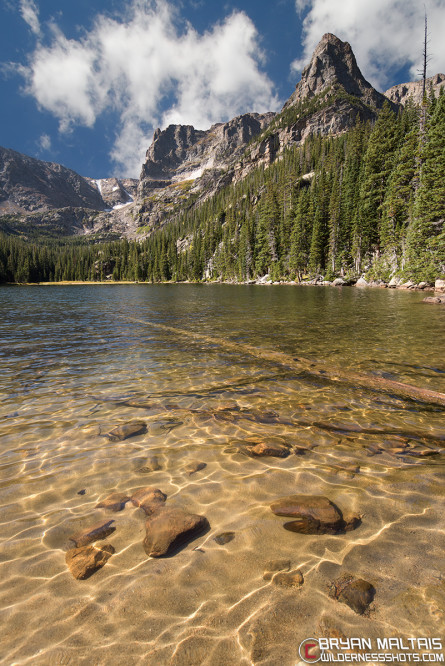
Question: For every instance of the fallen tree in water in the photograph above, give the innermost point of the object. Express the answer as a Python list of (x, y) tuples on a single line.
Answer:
[(315, 368)]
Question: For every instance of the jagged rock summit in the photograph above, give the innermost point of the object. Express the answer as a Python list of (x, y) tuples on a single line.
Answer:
[(333, 64)]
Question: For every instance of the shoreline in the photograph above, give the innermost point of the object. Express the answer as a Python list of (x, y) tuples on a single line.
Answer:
[(437, 288)]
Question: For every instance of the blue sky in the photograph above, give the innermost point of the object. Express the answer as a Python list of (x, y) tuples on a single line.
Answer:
[(85, 83)]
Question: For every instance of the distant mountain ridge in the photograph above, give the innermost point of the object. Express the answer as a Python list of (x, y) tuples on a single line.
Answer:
[(185, 166)]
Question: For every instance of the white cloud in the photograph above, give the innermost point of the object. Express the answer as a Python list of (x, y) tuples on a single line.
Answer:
[(44, 142), (30, 14), (385, 35), (152, 73)]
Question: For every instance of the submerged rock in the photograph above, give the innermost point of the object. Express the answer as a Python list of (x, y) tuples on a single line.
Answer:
[(224, 538), (313, 514), (127, 430), (94, 533), (288, 578), (255, 447), (194, 467), (150, 465), (171, 527), (114, 502), (84, 561), (354, 592), (264, 449), (432, 299), (374, 450), (165, 426), (225, 415), (274, 566), (349, 470), (149, 499), (267, 417)]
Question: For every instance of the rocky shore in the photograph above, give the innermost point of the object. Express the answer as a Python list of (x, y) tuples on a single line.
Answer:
[(395, 283)]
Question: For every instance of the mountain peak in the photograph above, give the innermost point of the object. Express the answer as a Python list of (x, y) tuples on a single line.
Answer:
[(333, 64)]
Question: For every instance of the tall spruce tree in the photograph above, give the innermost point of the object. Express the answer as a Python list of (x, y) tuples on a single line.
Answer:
[(426, 234), (377, 166)]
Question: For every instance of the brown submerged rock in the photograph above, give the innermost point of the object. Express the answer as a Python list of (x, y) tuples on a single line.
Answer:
[(315, 506), (266, 417), (194, 467), (274, 566), (313, 514), (263, 449), (126, 430), (84, 561), (288, 578), (149, 499), (433, 299), (349, 470), (354, 592), (224, 538), (171, 526), (114, 502), (94, 533), (150, 465)]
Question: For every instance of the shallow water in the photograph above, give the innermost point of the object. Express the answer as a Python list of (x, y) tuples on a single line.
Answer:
[(72, 360)]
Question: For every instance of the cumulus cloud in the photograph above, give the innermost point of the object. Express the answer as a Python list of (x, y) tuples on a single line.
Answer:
[(385, 35), (152, 70), (30, 14)]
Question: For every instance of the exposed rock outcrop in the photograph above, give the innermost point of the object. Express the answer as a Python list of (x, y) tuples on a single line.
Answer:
[(181, 152), (402, 92)]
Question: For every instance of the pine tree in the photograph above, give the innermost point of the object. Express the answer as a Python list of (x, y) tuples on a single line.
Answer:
[(425, 238), (377, 166)]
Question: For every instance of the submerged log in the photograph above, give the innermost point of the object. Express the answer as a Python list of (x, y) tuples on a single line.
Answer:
[(316, 368)]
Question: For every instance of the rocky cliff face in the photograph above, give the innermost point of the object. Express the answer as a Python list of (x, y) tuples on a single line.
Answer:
[(181, 152), (30, 185), (401, 93), (184, 163)]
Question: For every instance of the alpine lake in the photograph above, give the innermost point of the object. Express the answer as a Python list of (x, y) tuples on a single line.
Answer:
[(225, 399)]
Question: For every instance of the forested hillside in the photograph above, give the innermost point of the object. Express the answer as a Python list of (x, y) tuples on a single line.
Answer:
[(370, 201)]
